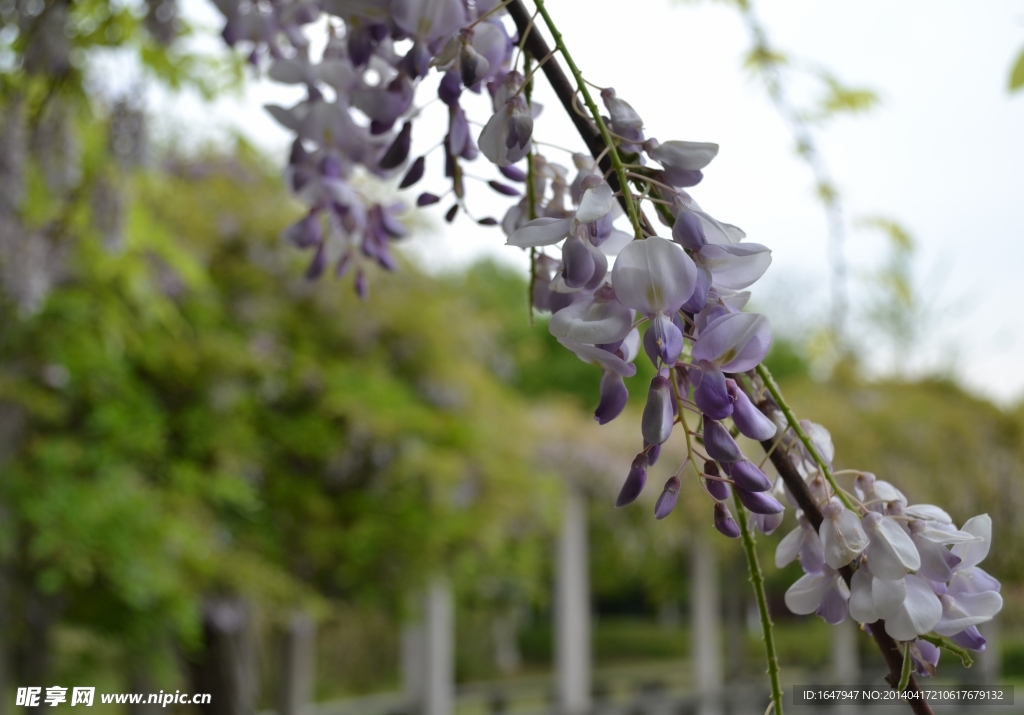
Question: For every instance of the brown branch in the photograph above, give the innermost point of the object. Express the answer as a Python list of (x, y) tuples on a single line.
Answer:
[(536, 46)]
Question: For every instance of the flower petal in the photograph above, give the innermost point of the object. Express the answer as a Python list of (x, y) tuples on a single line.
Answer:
[(494, 138), (788, 549), (833, 606), (919, 613), (687, 156), (929, 512), (973, 553), (966, 610), (542, 231), (804, 596), (592, 321), (595, 203), (735, 342), (862, 604), (736, 265), (973, 580), (600, 357), (653, 276), (891, 551), (842, 538)]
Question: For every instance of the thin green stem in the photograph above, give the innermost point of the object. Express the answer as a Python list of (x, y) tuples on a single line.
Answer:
[(613, 152), (681, 408), (757, 581), (945, 643), (794, 423), (907, 667), (531, 193)]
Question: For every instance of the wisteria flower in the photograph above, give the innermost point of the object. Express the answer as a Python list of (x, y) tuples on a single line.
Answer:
[(732, 343)]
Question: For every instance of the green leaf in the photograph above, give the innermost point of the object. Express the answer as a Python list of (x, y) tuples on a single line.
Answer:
[(1017, 75), (841, 99)]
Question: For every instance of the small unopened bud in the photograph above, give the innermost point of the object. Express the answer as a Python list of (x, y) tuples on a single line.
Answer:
[(669, 496), (746, 475), (414, 174), (759, 502), (719, 443), (635, 481), (656, 423), (317, 265), (513, 173), (503, 188), (749, 420), (711, 395), (613, 398), (577, 262), (724, 521), (399, 149)]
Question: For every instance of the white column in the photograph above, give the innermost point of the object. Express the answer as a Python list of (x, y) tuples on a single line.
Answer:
[(298, 667), (706, 628), (413, 666), (572, 610), (845, 658), (846, 662), (439, 648)]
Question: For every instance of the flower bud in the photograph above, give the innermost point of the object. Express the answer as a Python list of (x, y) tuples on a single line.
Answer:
[(749, 420), (414, 174), (656, 423), (759, 502), (747, 476), (635, 481), (711, 394), (719, 443), (577, 262), (399, 149), (669, 495), (613, 398), (724, 521)]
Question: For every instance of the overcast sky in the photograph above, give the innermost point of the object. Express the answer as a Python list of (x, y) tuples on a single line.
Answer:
[(943, 154)]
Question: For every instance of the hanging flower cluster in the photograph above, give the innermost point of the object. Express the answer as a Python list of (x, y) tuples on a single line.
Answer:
[(688, 290), (359, 113), (684, 291), (679, 298), (914, 568)]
